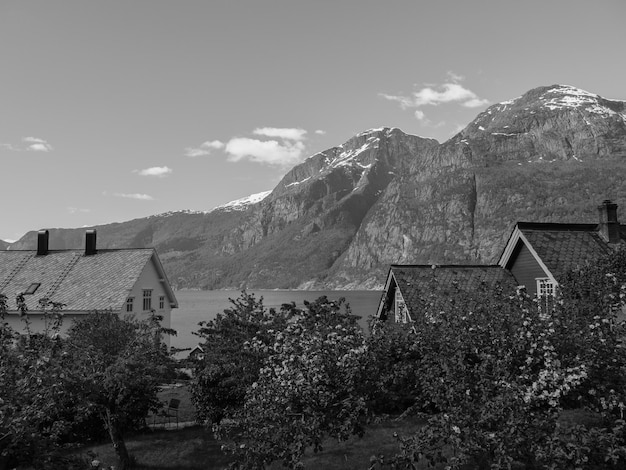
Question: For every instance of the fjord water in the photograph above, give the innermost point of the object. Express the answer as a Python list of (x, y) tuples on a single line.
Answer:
[(196, 306)]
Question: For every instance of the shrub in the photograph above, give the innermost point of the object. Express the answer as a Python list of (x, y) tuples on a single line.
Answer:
[(308, 389)]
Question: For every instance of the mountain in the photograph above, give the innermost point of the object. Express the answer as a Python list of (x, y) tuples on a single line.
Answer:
[(4, 245), (342, 216)]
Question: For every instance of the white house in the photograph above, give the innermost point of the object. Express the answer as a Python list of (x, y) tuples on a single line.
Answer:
[(125, 281)]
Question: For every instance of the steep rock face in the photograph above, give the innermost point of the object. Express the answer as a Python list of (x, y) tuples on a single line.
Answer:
[(550, 155)]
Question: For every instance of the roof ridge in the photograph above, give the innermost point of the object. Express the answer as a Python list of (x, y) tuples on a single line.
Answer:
[(556, 226), (430, 266), (18, 267), (55, 285)]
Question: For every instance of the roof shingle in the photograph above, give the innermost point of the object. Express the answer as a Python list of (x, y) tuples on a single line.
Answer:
[(562, 247), (415, 281)]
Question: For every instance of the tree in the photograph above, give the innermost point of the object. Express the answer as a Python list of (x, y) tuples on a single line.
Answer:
[(36, 405), (118, 364), (307, 389), (228, 368)]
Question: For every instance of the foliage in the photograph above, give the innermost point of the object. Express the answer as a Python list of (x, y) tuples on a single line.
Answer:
[(228, 368), (35, 405), (307, 390), (119, 364), (391, 379), (498, 368)]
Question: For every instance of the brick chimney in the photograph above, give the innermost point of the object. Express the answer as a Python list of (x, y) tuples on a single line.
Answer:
[(609, 225), (90, 243), (42, 242)]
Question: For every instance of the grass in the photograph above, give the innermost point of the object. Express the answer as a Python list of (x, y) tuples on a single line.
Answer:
[(194, 448), (186, 410)]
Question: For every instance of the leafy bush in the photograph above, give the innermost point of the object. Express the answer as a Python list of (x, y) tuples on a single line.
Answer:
[(228, 368), (308, 389), (498, 368)]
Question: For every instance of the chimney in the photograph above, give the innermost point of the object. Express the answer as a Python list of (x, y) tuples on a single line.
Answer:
[(609, 225), (90, 243), (42, 242)]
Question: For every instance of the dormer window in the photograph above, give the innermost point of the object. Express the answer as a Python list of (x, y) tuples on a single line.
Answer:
[(32, 288)]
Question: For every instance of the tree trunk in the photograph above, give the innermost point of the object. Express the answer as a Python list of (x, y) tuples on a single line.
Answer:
[(117, 439)]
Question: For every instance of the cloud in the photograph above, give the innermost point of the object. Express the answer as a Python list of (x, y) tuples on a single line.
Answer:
[(204, 149), (433, 95), (281, 133), (77, 210), (141, 197), (420, 115), (33, 140), (454, 76), (37, 145), (269, 152), (158, 171), (29, 144), (9, 147), (320, 132)]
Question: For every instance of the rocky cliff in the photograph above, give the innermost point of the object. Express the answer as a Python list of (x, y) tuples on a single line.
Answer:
[(341, 217)]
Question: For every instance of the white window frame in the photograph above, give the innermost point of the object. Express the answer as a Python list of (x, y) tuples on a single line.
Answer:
[(147, 300), (161, 302), (545, 287), (546, 292), (400, 309), (130, 304)]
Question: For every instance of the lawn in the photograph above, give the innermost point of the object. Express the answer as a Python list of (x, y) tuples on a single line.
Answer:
[(194, 448), (186, 410)]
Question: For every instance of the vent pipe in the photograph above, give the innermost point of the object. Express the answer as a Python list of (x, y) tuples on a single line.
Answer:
[(42, 242), (90, 243), (609, 225)]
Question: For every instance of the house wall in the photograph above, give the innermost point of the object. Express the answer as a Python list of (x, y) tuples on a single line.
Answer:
[(38, 322), (149, 279), (526, 270)]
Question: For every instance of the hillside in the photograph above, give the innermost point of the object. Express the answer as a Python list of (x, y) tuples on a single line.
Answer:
[(342, 216)]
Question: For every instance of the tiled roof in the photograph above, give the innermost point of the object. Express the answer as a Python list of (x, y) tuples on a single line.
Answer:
[(415, 281), (82, 283), (565, 246)]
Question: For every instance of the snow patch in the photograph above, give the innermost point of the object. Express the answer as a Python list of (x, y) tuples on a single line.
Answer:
[(295, 183), (244, 202)]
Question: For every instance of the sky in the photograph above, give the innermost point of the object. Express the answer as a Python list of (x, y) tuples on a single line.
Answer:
[(116, 110)]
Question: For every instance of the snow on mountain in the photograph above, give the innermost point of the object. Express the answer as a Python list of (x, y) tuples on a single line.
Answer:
[(565, 96), (243, 203)]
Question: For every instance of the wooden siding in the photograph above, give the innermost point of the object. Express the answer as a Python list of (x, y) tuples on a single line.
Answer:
[(525, 268)]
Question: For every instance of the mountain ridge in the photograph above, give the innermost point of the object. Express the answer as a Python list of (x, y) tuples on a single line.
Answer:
[(338, 219)]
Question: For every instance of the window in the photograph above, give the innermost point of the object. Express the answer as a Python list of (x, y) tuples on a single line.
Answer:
[(161, 302), (129, 304), (32, 288), (545, 287), (147, 300), (545, 292), (401, 310)]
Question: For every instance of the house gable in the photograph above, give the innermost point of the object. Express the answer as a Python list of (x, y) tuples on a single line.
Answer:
[(526, 266), (547, 251)]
